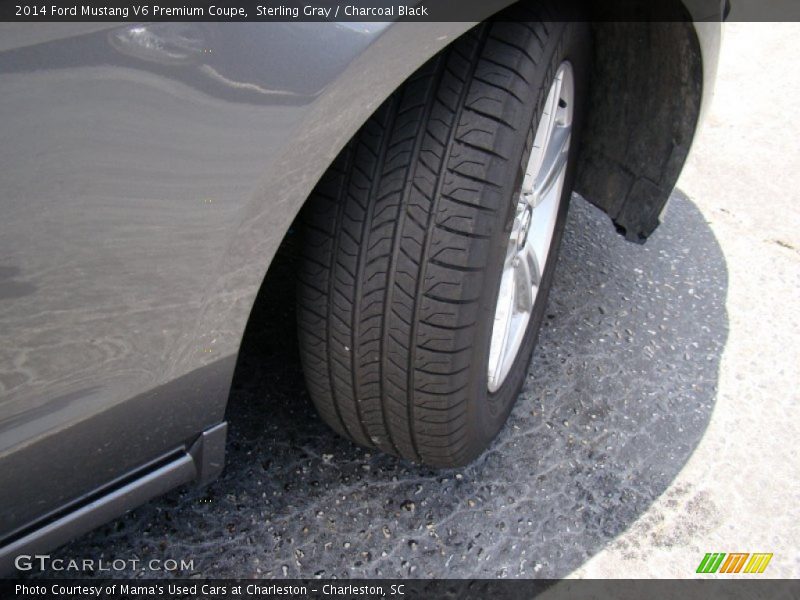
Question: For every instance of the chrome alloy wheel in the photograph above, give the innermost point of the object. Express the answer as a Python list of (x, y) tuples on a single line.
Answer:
[(534, 223)]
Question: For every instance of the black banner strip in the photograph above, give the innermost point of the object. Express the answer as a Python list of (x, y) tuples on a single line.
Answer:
[(380, 10), (398, 589)]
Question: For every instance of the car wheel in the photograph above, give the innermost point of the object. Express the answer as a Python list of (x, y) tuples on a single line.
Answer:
[(429, 245)]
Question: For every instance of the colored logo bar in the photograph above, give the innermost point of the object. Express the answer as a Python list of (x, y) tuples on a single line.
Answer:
[(735, 562)]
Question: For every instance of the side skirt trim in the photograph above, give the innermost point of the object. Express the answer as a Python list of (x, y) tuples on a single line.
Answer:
[(202, 462)]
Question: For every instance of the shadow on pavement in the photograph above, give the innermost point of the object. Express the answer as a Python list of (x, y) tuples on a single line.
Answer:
[(619, 394)]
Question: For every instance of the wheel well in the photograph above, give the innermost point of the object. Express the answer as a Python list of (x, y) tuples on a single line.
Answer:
[(644, 105), (643, 110)]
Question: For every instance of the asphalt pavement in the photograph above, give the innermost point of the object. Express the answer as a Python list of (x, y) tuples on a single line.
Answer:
[(658, 421)]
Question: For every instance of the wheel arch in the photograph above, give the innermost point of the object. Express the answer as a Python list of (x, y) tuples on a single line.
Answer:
[(651, 83)]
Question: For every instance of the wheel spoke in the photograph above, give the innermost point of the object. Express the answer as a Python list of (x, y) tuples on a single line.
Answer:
[(542, 140), (544, 220), (516, 228), (502, 326), (554, 161)]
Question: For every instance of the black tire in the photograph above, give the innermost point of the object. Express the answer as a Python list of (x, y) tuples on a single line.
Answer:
[(404, 239)]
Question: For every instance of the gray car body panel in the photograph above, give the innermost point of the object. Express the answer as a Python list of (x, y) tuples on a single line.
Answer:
[(144, 195), (149, 173)]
